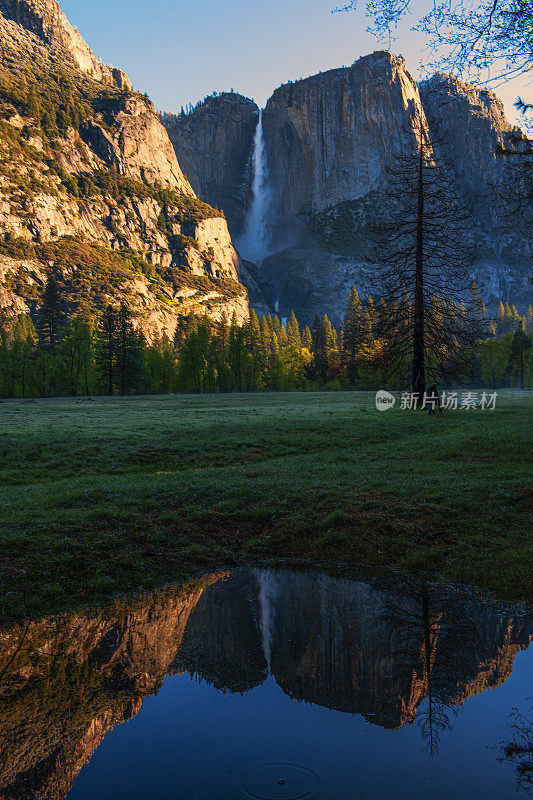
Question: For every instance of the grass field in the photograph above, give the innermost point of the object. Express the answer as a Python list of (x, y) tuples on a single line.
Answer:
[(113, 495)]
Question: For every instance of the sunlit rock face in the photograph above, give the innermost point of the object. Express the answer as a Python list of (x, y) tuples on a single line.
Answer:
[(329, 141), (45, 19), (391, 651), (332, 136), (137, 146), (213, 144), (118, 134)]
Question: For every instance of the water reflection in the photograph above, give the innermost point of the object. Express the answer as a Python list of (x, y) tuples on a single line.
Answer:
[(394, 652), (518, 750)]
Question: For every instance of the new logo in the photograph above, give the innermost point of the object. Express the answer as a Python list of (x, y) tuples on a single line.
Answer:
[(384, 400)]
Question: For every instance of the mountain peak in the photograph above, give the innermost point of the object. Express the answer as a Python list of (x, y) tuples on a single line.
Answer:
[(45, 20)]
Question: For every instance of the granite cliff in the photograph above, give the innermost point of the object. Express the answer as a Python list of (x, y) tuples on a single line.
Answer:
[(471, 126), (214, 145), (329, 141), (332, 137), (91, 190), (45, 19)]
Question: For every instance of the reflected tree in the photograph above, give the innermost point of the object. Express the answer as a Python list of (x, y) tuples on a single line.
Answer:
[(518, 751), (432, 627)]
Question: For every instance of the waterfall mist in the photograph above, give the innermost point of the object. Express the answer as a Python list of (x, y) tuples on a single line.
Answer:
[(253, 244)]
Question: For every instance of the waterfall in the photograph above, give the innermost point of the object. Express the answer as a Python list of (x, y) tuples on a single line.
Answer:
[(253, 244), (267, 592)]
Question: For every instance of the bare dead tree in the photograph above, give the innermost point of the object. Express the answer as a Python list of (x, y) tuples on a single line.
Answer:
[(422, 267)]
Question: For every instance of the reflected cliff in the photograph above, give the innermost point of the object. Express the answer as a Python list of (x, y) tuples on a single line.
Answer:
[(395, 652), (358, 646)]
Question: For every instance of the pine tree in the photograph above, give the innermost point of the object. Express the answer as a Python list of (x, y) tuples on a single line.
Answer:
[(237, 353), (529, 319), (184, 326), (128, 352), (293, 331), (50, 316), (107, 347), (282, 335), (16, 364), (274, 365), (422, 248), (520, 345), (355, 332), (372, 311), (221, 354), (508, 319), (253, 341), (307, 338), (77, 354), (500, 316), (329, 334), (274, 344), (381, 326), (265, 335), (48, 326), (321, 343)]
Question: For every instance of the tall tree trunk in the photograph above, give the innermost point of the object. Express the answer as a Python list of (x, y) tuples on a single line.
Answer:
[(418, 380), (428, 667)]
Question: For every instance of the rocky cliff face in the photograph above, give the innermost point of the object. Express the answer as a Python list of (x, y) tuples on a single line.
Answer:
[(213, 144), (45, 19), (335, 136), (90, 188), (137, 145), (329, 141), (332, 136), (470, 126)]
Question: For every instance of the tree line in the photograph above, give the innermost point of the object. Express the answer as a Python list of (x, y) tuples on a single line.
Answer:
[(79, 355)]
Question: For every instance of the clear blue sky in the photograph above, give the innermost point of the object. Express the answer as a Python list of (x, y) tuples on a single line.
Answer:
[(181, 50)]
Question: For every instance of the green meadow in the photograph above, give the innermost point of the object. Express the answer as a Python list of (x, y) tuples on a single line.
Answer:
[(114, 495)]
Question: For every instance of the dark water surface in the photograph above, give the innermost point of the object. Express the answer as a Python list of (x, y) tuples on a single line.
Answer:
[(272, 684)]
